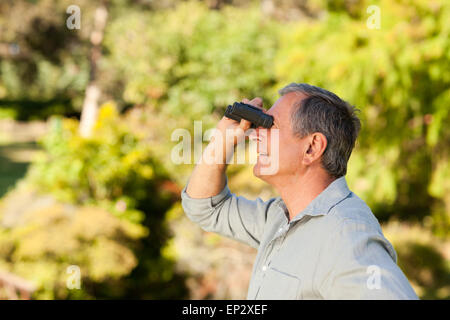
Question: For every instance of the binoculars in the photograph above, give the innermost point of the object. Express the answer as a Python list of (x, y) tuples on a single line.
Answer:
[(257, 117)]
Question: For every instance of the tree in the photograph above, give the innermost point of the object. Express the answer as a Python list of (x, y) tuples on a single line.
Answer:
[(93, 91)]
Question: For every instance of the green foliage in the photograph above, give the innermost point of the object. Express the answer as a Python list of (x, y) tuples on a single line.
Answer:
[(114, 167), (43, 65), (422, 257), (115, 170), (190, 60), (47, 240)]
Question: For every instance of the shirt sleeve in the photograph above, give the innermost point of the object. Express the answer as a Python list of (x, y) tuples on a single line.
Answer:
[(228, 215), (365, 266)]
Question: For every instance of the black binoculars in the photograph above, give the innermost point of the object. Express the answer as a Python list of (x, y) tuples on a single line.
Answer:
[(256, 116)]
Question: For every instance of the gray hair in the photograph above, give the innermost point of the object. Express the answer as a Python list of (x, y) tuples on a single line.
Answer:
[(323, 111)]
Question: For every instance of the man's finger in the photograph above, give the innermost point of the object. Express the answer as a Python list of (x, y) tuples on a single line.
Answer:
[(245, 124), (256, 102)]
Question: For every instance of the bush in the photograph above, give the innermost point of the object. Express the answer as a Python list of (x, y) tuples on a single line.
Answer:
[(115, 172), (423, 258), (50, 236), (114, 168)]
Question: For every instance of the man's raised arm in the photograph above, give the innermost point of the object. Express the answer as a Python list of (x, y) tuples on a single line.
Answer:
[(207, 200)]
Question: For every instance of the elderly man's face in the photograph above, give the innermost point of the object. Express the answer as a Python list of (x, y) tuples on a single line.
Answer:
[(290, 148)]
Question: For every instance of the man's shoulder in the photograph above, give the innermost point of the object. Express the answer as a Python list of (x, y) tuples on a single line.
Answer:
[(353, 219), (353, 210)]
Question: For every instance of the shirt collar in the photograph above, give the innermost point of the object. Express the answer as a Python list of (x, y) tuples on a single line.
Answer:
[(333, 194)]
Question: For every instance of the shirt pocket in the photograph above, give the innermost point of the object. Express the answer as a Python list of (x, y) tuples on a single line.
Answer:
[(279, 285)]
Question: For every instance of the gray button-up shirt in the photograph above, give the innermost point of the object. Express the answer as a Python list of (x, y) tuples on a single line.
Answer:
[(333, 249)]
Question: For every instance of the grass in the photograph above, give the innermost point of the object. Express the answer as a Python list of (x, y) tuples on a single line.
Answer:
[(17, 149), (15, 158)]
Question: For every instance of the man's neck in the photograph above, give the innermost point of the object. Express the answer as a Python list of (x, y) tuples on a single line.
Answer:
[(297, 191)]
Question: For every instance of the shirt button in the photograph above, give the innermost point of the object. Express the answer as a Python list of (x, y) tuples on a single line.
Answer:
[(264, 268), (280, 230)]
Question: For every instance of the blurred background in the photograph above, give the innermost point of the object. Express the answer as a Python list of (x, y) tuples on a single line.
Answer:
[(90, 198)]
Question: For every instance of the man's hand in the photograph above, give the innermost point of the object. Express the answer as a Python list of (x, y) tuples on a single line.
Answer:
[(232, 129), (208, 177), (227, 123)]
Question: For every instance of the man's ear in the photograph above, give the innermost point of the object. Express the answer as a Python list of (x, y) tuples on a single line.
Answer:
[(315, 147)]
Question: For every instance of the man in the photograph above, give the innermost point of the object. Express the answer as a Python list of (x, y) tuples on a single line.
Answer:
[(318, 240)]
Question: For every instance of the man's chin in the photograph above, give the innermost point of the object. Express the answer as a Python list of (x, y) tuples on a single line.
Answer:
[(256, 170), (262, 170)]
